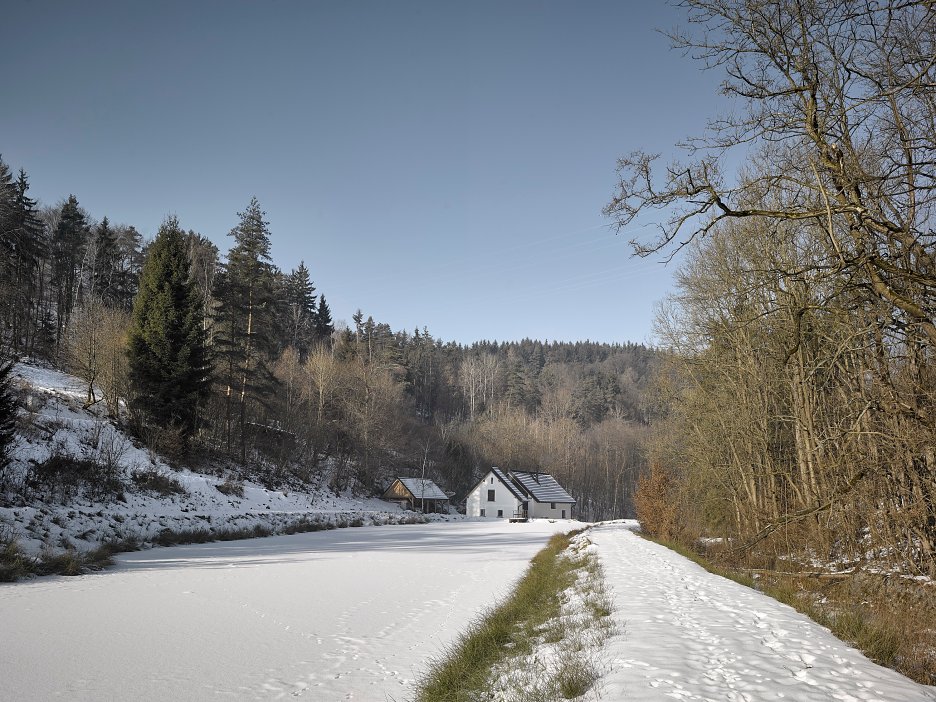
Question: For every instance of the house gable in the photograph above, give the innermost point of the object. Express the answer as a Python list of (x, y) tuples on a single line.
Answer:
[(494, 496)]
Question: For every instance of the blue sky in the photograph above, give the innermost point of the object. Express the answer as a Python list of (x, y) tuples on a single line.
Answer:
[(435, 164)]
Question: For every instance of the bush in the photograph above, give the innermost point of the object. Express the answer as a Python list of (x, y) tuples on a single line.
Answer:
[(14, 564), (64, 476), (154, 481), (657, 503), (231, 488)]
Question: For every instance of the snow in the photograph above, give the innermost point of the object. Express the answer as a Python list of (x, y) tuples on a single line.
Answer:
[(686, 634), (60, 425), (349, 614), (355, 613)]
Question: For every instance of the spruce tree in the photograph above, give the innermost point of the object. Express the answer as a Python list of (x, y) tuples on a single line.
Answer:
[(299, 310), (8, 407), (68, 243), (244, 339), (323, 321), (22, 246), (166, 346), (104, 275)]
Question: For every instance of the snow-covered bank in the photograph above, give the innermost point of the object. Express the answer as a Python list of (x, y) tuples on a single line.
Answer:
[(339, 615), (687, 634), (155, 497)]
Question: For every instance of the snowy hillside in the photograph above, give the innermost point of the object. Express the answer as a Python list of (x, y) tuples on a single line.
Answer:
[(81, 482)]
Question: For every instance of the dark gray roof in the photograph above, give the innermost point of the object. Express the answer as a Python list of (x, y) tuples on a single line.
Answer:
[(542, 487), (510, 486), (423, 489)]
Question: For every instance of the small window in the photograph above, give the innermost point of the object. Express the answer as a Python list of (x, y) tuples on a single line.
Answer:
[(552, 505), (500, 513), (490, 495), (563, 514), (482, 512), (492, 480)]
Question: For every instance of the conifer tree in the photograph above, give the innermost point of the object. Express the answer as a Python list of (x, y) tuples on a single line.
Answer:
[(244, 341), (299, 309), (104, 275), (8, 407), (167, 356), (323, 321), (22, 246), (68, 243)]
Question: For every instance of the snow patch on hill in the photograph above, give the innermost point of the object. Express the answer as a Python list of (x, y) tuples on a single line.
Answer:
[(151, 497)]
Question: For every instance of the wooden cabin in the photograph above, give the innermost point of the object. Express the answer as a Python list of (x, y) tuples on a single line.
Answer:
[(417, 494)]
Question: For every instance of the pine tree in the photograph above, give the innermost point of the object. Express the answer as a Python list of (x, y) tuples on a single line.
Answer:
[(299, 310), (7, 243), (166, 349), (68, 243), (244, 338), (105, 272), (324, 327), (22, 245), (31, 253), (8, 407)]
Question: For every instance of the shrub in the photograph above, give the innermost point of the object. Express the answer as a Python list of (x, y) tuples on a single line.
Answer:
[(64, 476), (231, 488), (159, 483), (657, 503)]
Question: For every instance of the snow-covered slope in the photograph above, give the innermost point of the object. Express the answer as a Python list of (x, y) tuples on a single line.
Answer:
[(55, 423)]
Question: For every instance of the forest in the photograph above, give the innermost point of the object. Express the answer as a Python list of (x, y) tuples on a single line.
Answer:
[(799, 387), (226, 360)]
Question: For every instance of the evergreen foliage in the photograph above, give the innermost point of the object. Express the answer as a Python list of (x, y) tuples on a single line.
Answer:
[(323, 321), (244, 326), (68, 244), (168, 366), (8, 408), (300, 315)]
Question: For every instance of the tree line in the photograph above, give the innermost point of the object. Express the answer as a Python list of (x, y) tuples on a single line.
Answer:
[(226, 357), (799, 388)]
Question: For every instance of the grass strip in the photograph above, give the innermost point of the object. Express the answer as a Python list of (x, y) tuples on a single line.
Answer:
[(510, 630)]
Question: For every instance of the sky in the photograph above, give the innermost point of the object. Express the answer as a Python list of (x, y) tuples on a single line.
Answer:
[(435, 164)]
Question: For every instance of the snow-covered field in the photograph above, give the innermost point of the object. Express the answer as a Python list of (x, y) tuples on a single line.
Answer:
[(339, 615), (686, 634)]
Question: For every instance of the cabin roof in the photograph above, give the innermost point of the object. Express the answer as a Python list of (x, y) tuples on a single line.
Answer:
[(542, 487), (423, 489)]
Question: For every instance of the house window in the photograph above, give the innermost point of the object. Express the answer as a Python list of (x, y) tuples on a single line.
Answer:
[(500, 513), (552, 505), (492, 480), (482, 512), (490, 495)]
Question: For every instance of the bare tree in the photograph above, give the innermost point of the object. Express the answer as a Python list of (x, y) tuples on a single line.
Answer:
[(838, 107)]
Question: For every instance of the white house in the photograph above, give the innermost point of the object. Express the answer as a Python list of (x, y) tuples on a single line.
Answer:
[(518, 495)]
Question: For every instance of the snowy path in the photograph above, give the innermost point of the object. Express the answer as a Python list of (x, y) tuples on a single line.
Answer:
[(686, 634), (347, 614)]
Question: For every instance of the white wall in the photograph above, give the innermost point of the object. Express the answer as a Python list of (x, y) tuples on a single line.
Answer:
[(543, 510), (503, 499)]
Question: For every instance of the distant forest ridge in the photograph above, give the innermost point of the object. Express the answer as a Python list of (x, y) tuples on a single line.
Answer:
[(226, 355)]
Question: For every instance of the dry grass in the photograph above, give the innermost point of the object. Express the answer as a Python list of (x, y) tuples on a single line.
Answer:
[(494, 656)]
